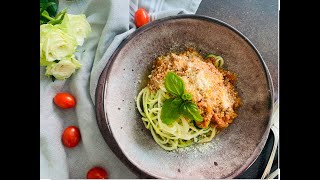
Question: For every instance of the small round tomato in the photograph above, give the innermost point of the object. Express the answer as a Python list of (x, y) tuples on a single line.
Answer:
[(64, 100), (71, 136), (97, 173), (141, 17)]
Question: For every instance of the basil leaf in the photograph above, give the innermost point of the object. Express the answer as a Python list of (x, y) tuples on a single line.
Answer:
[(186, 97), (171, 110), (191, 111), (174, 84)]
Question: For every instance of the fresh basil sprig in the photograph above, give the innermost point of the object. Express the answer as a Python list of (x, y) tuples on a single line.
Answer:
[(174, 84), (190, 110), (171, 110), (180, 103)]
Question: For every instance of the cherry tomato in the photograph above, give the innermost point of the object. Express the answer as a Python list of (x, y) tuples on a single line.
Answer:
[(97, 173), (141, 17), (71, 136), (64, 100)]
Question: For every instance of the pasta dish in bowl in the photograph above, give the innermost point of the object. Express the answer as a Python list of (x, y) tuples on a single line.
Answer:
[(185, 97), (212, 98)]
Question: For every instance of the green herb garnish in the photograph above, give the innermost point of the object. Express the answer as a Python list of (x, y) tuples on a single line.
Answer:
[(180, 103), (171, 110), (174, 84), (190, 110)]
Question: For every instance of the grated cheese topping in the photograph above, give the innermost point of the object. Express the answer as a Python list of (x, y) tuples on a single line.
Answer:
[(212, 88)]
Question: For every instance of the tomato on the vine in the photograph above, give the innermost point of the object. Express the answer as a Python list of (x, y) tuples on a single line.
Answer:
[(64, 100), (141, 17), (97, 173), (71, 136)]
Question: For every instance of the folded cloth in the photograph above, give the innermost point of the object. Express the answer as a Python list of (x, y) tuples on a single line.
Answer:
[(111, 21)]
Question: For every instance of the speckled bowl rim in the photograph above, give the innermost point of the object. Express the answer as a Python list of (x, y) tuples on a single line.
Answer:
[(103, 122)]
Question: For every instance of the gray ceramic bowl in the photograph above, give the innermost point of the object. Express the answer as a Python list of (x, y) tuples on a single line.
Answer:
[(233, 150)]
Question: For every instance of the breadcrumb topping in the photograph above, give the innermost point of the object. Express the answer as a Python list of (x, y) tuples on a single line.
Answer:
[(212, 88)]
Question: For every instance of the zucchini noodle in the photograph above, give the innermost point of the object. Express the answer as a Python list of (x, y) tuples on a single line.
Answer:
[(181, 133)]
